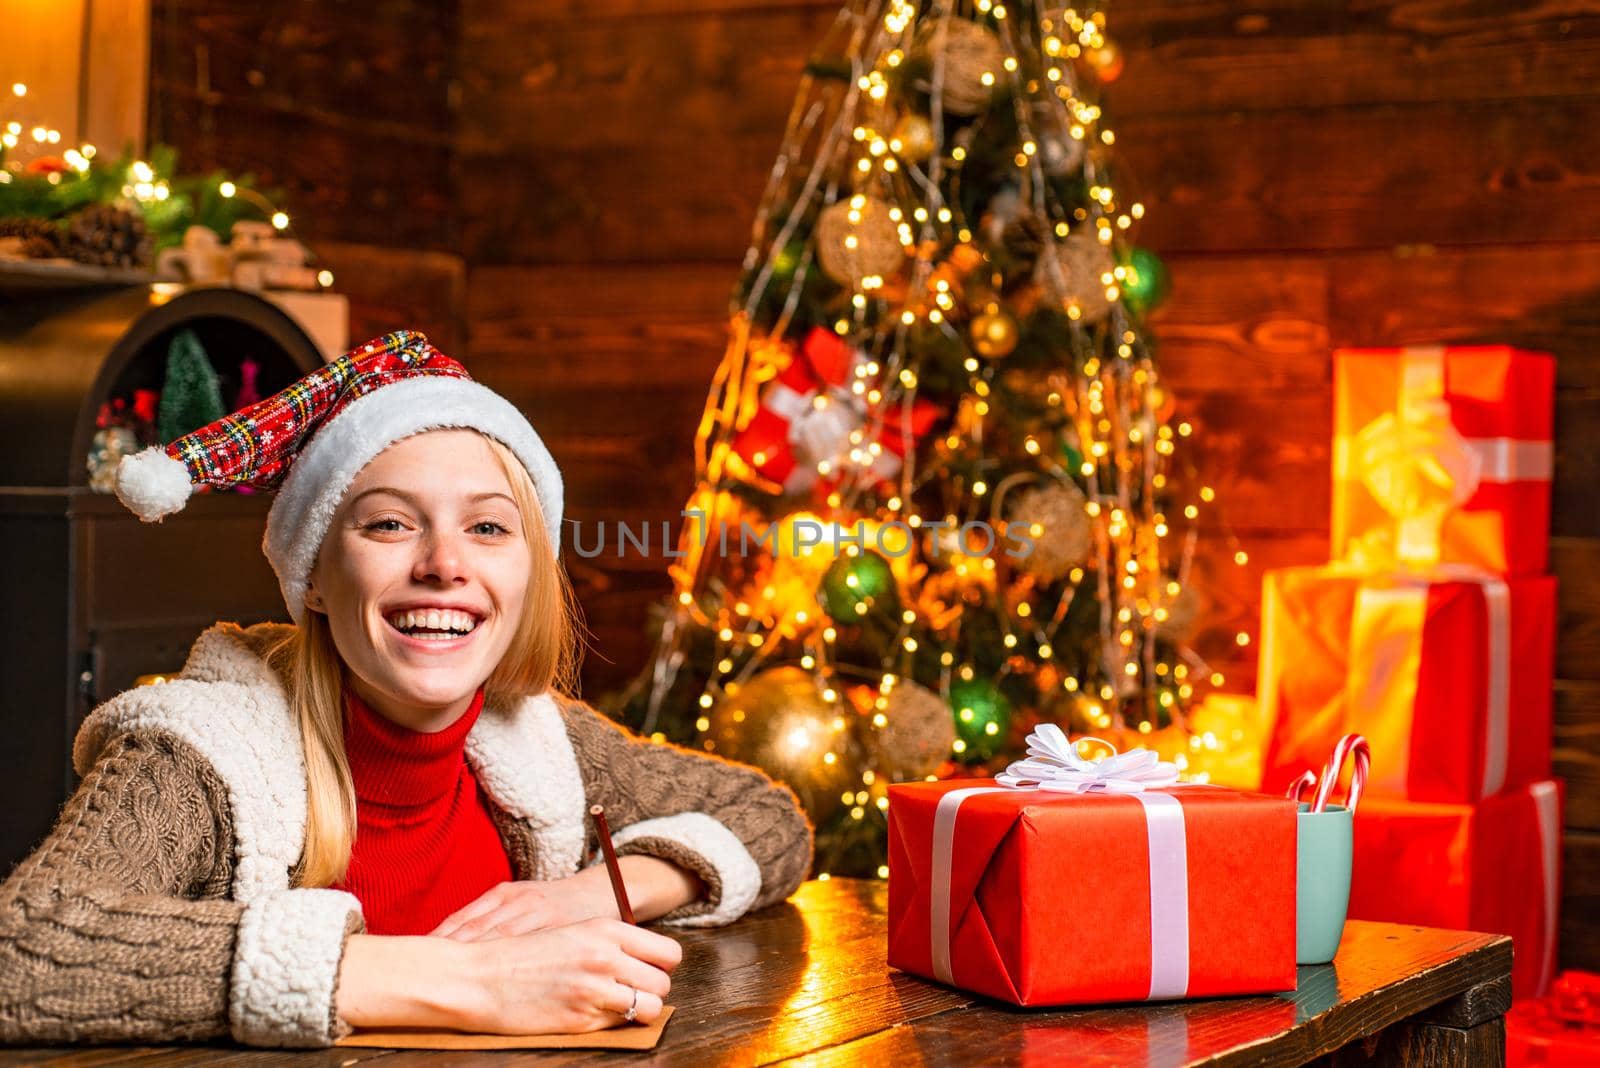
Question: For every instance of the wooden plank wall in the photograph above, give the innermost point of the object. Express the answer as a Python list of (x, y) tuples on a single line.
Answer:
[(346, 108), (1318, 174)]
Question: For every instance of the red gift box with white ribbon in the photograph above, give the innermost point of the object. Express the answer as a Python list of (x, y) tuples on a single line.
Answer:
[(1494, 866), (1443, 453), (1447, 673), (1039, 897)]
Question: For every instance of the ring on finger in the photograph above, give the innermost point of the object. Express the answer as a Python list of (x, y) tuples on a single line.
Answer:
[(633, 1006)]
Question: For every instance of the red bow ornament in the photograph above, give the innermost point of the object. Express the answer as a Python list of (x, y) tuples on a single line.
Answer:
[(814, 419)]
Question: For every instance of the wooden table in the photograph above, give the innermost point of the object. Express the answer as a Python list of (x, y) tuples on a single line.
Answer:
[(806, 982)]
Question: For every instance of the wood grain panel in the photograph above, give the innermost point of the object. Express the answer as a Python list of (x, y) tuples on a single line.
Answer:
[(390, 289), (1541, 297), (1187, 56), (677, 90), (1580, 900), (344, 108), (1577, 750)]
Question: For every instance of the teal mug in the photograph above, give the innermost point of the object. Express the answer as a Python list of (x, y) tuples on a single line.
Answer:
[(1324, 843)]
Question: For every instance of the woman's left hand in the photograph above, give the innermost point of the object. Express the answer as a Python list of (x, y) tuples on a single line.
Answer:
[(655, 888), (518, 908)]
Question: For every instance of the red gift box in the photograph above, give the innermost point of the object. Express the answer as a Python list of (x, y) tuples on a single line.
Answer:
[(1494, 866), (1559, 1030), (1043, 898), (1448, 678), (1500, 403)]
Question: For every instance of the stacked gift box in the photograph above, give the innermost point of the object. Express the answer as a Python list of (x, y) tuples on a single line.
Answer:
[(1432, 633)]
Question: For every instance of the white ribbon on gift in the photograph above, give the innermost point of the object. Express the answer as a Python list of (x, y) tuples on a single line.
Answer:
[(1053, 764), (1547, 803), (1386, 656), (1414, 452)]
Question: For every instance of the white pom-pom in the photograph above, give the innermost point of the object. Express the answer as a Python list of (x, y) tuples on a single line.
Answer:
[(153, 484)]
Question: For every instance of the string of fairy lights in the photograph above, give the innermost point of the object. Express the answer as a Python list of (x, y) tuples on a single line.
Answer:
[(871, 160), (878, 182), (141, 183)]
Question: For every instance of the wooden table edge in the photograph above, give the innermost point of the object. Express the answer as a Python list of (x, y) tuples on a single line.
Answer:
[(1493, 951)]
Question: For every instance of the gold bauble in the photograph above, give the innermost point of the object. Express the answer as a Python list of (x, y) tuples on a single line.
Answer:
[(969, 52), (856, 239), (915, 134), (994, 334), (1072, 272), (918, 735), (779, 722), (1056, 518)]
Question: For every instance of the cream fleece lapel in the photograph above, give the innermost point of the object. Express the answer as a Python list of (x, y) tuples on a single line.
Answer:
[(230, 706)]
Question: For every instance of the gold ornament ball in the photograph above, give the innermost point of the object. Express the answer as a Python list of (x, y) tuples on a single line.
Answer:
[(969, 52), (856, 238), (994, 334), (1056, 518), (779, 722), (1073, 272), (918, 735), (915, 134)]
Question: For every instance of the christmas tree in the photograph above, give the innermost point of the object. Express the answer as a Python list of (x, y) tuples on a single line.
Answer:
[(191, 397), (939, 497)]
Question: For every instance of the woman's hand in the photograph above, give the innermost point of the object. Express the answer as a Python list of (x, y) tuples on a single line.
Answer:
[(655, 888), (572, 979), (565, 980), (525, 906)]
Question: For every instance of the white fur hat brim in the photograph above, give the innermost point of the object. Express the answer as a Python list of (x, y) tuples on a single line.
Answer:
[(329, 462)]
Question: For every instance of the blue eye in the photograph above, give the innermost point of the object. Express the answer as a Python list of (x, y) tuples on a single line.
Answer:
[(489, 529), (385, 525)]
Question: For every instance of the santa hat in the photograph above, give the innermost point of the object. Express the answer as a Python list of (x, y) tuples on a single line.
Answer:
[(311, 440)]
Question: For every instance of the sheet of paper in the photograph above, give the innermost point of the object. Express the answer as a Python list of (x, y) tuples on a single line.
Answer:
[(626, 1036)]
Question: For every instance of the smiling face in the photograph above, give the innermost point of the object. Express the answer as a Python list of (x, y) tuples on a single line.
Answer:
[(423, 576)]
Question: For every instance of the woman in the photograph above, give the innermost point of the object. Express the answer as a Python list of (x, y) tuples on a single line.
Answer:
[(376, 817)]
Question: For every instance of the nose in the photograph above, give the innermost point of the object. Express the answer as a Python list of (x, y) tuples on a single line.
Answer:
[(442, 560)]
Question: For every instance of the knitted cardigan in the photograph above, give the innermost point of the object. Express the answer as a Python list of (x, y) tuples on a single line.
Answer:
[(165, 904)]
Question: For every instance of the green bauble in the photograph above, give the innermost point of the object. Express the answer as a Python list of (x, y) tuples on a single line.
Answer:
[(983, 717), (787, 261), (857, 584), (1146, 284)]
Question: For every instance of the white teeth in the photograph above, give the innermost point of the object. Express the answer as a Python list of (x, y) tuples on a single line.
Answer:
[(444, 624)]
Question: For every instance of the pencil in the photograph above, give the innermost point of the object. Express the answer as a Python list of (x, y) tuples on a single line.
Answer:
[(603, 832)]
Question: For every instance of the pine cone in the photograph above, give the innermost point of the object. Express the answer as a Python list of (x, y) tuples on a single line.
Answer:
[(108, 236), (37, 239)]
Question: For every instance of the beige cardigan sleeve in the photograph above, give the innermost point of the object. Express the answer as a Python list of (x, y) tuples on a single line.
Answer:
[(742, 834), (120, 928), (114, 928)]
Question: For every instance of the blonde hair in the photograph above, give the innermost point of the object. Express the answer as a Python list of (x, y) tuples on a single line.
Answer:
[(542, 656)]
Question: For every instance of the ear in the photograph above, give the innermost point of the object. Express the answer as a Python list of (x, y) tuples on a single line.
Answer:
[(313, 599)]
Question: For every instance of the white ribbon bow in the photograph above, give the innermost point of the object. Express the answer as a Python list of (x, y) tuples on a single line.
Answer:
[(1053, 763)]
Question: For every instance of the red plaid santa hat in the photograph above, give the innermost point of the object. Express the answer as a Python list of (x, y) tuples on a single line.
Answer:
[(311, 440)]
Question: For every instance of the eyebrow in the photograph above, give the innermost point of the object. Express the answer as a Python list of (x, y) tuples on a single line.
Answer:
[(411, 498)]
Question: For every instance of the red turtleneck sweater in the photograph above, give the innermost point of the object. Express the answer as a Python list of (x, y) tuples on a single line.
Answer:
[(425, 842)]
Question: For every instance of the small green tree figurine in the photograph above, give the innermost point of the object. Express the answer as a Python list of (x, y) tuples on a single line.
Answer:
[(191, 397)]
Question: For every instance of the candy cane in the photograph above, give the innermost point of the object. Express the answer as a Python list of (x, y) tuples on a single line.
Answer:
[(1349, 745), (1298, 787)]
